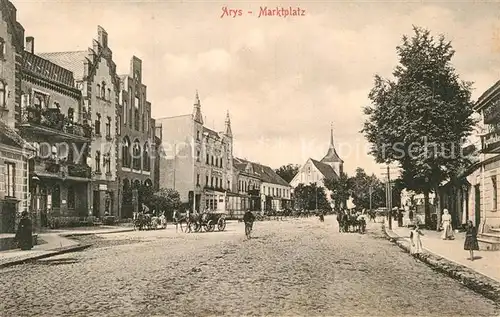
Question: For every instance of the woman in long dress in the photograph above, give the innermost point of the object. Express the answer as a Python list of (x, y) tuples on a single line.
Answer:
[(446, 224), (416, 243), (24, 236), (471, 243)]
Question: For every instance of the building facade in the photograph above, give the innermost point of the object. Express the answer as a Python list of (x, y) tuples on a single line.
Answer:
[(50, 120), (137, 137), (315, 172), (98, 83), (14, 178), (246, 188), (196, 161)]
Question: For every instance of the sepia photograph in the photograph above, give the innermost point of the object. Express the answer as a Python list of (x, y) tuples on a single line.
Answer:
[(249, 158)]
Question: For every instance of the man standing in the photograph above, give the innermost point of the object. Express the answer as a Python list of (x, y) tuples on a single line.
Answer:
[(248, 219)]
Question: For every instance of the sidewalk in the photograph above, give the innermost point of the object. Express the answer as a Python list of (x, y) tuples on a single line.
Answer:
[(56, 243), (485, 262)]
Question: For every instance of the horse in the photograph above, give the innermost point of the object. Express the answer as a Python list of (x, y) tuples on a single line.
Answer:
[(372, 215)]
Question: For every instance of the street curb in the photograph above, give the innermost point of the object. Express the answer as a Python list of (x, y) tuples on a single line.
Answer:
[(92, 233), (51, 253), (473, 280)]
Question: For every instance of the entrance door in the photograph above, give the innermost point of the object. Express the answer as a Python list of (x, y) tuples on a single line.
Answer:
[(96, 203), (477, 206)]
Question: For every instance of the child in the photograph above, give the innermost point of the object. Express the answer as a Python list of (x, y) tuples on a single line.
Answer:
[(471, 239), (416, 243)]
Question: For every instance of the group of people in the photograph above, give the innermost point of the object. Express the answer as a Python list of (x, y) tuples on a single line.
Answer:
[(354, 219)]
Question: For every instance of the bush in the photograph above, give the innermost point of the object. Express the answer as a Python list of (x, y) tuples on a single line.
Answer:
[(70, 222)]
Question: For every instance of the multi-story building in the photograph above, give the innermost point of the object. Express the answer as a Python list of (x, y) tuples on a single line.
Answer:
[(137, 133), (274, 191), (14, 180), (246, 186), (98, 83), (51, 108), (197, 161)]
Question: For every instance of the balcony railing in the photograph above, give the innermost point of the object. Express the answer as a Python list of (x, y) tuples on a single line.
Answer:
[(55, 120), (491, 142), (60, 168), (79, 170)]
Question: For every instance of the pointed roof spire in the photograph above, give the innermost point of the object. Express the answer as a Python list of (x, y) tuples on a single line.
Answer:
[(331, 156), (228, 130), (197, 109)]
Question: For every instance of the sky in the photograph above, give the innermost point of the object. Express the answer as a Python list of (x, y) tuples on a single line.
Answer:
[(284, 81)]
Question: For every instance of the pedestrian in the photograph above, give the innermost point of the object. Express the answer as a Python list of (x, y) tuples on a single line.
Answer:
[(446, 225), (471, 243), (24, 234), (400, 218), (415, 241)]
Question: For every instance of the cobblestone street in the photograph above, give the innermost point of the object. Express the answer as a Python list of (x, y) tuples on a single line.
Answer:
[(294, 267)]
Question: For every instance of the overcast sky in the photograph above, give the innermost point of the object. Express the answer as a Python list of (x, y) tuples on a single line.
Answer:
[(282, 80)]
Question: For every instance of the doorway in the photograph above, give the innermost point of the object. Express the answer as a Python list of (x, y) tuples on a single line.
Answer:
[(96, 203), (477, 205)]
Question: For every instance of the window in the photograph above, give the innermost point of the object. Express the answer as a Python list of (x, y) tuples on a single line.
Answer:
[(103, 90), (119, 124), (136, 159), (198, 135), (98, 161), (107, 163), (126, 152), (206, 180), (125, 110), (98, 90), (56, 196), (3, 94), (98, 124), (207, 160), (212, 181), (197, 179), (2, 48), (108, 127), (10, 183), (109, 94), (71, 197), (136, 103), (145, 157), (494, 193), (212, 160), (71, 114), (197, 156), (228, 185)]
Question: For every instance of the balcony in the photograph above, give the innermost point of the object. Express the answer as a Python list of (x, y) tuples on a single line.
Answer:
[(52, 123), (52, 168), (79, 170), (490, 142)]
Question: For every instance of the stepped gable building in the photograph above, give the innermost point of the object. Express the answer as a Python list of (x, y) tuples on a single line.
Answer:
[(196, 161), (14, 152), (313, 171), (259, 188), (137, 136), (96, 79)]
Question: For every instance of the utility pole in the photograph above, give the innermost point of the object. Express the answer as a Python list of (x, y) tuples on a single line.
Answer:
[(316, 197), (175, 157)]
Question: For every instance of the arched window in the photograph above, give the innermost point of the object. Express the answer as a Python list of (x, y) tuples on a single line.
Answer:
[(145, 157), (103, 90), (98, 90), (126, 152), (97, 166), (3, 94), (2, 48), (109, 94), (136, 155)]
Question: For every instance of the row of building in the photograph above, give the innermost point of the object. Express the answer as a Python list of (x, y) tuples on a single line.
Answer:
[(76, 138)]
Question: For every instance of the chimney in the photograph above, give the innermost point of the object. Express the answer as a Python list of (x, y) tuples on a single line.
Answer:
[(30, 44)]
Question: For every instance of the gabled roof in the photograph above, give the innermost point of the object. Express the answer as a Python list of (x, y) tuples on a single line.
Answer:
[(73, 61), (326, 170), (265, 173)]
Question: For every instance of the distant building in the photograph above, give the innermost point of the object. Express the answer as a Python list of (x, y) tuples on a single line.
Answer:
[(96, 79), (331, 166), (195, 160)]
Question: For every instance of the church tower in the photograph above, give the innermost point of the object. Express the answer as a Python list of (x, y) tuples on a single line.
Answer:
[(332, 158), (197, 117)]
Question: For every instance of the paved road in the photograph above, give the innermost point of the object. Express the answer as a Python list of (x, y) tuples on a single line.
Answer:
[(296, 267)]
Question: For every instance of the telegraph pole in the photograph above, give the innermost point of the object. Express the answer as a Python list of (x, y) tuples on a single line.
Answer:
[(316, 197)]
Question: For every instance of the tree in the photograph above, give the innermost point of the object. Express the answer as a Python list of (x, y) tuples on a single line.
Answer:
[(340, 188), (420, 119), (288, 172), (166, 200), (362, 185), (311, 197)]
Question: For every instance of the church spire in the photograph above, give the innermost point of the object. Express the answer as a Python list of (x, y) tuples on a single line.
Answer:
[(197, 109), (228, 130), (331, 156), (331, 136)]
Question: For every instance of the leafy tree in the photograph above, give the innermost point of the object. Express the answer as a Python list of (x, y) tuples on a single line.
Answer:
[(288, 172), (166, 200), (420, 119), (341, 189), (311, 197), (361, 184)]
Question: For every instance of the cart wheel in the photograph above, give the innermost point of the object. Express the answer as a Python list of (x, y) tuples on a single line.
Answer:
[(210, 226), (197, 227), (221, 224)]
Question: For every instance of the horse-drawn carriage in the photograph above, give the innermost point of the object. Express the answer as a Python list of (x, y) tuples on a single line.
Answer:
[(207, 222), (146, 221)]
